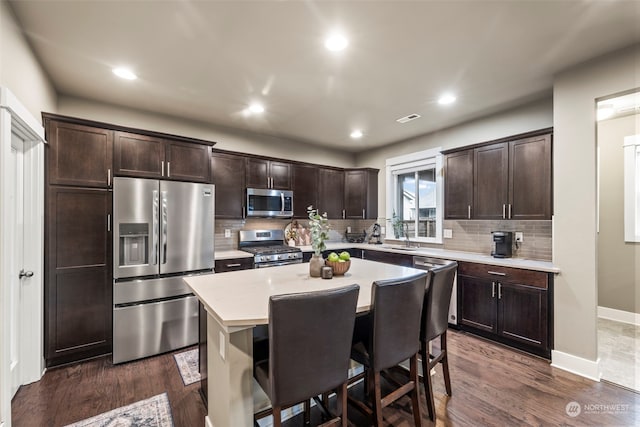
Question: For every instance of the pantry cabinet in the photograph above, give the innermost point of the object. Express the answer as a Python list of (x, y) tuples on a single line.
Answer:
[(509, 305)]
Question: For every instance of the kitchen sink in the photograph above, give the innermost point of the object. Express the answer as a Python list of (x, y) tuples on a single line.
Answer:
[(408, 249)]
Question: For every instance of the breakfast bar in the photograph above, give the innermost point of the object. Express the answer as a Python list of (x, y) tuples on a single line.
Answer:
[(236, 302)]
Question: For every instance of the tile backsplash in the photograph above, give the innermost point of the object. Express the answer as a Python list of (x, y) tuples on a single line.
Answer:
[(336, 233), (468, 235), (475, 236)]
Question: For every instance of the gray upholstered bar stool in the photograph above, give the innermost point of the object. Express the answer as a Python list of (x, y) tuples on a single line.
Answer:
[(388, 335), (309, 344), (434, 324)]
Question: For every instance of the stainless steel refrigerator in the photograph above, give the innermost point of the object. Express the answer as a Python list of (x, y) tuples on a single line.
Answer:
[(163, 231)]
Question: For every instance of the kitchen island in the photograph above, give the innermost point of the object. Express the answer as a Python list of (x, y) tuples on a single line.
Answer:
[(236, 302)]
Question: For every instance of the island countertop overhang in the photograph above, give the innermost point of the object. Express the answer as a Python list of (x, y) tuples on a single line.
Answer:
[(241, 298)]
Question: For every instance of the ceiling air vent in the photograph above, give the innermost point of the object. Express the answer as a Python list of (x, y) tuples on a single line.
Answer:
[(408, 118)]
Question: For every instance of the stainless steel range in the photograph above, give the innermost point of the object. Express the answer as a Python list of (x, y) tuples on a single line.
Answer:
[(268, 248)]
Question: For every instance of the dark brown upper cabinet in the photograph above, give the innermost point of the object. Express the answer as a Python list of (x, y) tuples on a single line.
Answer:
[(361, 194), (491, 178), (145, 156), (268, 174), (509, 179), (530, 178), (79, 155), (228, 177), (458, 185), (305, 189), (331, 192)]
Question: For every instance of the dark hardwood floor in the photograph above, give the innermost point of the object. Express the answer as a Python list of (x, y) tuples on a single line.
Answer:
[(492, 386)]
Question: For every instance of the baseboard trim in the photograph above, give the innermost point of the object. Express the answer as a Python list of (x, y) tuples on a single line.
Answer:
[(619, 315), (576, 365)]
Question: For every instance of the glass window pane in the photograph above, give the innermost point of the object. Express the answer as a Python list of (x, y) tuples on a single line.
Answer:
[(427, 203)]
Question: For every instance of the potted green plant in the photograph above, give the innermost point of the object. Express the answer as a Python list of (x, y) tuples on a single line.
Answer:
[(319, 228)]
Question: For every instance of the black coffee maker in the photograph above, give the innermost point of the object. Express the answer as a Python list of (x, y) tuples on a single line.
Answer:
[(503, 243)]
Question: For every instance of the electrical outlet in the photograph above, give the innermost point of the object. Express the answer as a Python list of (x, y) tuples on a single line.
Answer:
[(227, 233), (448, 233), (519, 237)]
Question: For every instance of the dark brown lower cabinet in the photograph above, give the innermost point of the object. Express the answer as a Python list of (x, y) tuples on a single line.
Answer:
[(508, 305), (78, 289)]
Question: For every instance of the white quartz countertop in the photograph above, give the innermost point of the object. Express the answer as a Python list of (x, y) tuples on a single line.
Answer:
[(241, 298), (527, 264)]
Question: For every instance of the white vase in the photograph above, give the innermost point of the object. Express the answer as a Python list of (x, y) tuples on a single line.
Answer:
[(315, 265)]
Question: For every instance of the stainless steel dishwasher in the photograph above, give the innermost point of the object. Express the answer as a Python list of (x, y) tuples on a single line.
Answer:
[(429, 263)]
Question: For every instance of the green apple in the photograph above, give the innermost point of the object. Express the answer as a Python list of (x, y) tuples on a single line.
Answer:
[(333, 257), (342, 260), (345, 256)]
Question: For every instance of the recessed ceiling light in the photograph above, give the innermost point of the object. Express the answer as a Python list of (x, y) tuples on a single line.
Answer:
[(336, 42), (356, 134), (124, 73), (446, 99), (256, 108)]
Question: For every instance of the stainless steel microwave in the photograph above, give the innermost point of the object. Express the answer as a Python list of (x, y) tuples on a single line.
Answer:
[(269, 203)]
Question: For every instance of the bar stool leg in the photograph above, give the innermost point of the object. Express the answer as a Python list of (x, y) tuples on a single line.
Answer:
[(415, 393), (445, 363), (426, 380)]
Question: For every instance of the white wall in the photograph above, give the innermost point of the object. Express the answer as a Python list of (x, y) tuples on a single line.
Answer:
[(225, 138), (618, 261), (575, 93), (532, 116), (20, 71)]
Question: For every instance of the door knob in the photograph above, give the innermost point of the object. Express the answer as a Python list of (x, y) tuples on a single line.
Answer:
[(25, 274)]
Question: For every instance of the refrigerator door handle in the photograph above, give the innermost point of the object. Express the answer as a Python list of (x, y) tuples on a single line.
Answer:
[(163, 247), (154, 229)]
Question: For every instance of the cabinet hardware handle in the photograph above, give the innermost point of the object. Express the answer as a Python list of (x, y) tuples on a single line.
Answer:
[(509, 210), (496, 273), (504, 211), (468, 211), (168, 169), (233, 265), (499, 290), (363, 216), (162, 168), (108, 177), (493, 289), (343, 214), (108, 222)]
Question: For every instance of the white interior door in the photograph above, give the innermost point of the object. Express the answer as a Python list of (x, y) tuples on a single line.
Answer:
[(16, 236)]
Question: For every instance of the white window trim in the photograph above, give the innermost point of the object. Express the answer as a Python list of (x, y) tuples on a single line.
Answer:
[(408, 163)]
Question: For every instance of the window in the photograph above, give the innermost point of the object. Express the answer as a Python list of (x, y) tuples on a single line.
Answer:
[(414, 196)]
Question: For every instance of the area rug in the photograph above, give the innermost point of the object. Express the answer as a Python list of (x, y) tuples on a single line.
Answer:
[(152, 412), (188, 366)]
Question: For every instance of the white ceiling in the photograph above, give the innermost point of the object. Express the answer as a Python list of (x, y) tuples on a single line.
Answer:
[(207, 60)]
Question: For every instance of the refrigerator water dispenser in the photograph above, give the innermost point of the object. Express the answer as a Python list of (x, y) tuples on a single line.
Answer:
[(134, 240)]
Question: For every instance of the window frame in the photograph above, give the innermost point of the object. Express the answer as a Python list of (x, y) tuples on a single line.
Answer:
[(412, 162), (631, 149)]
